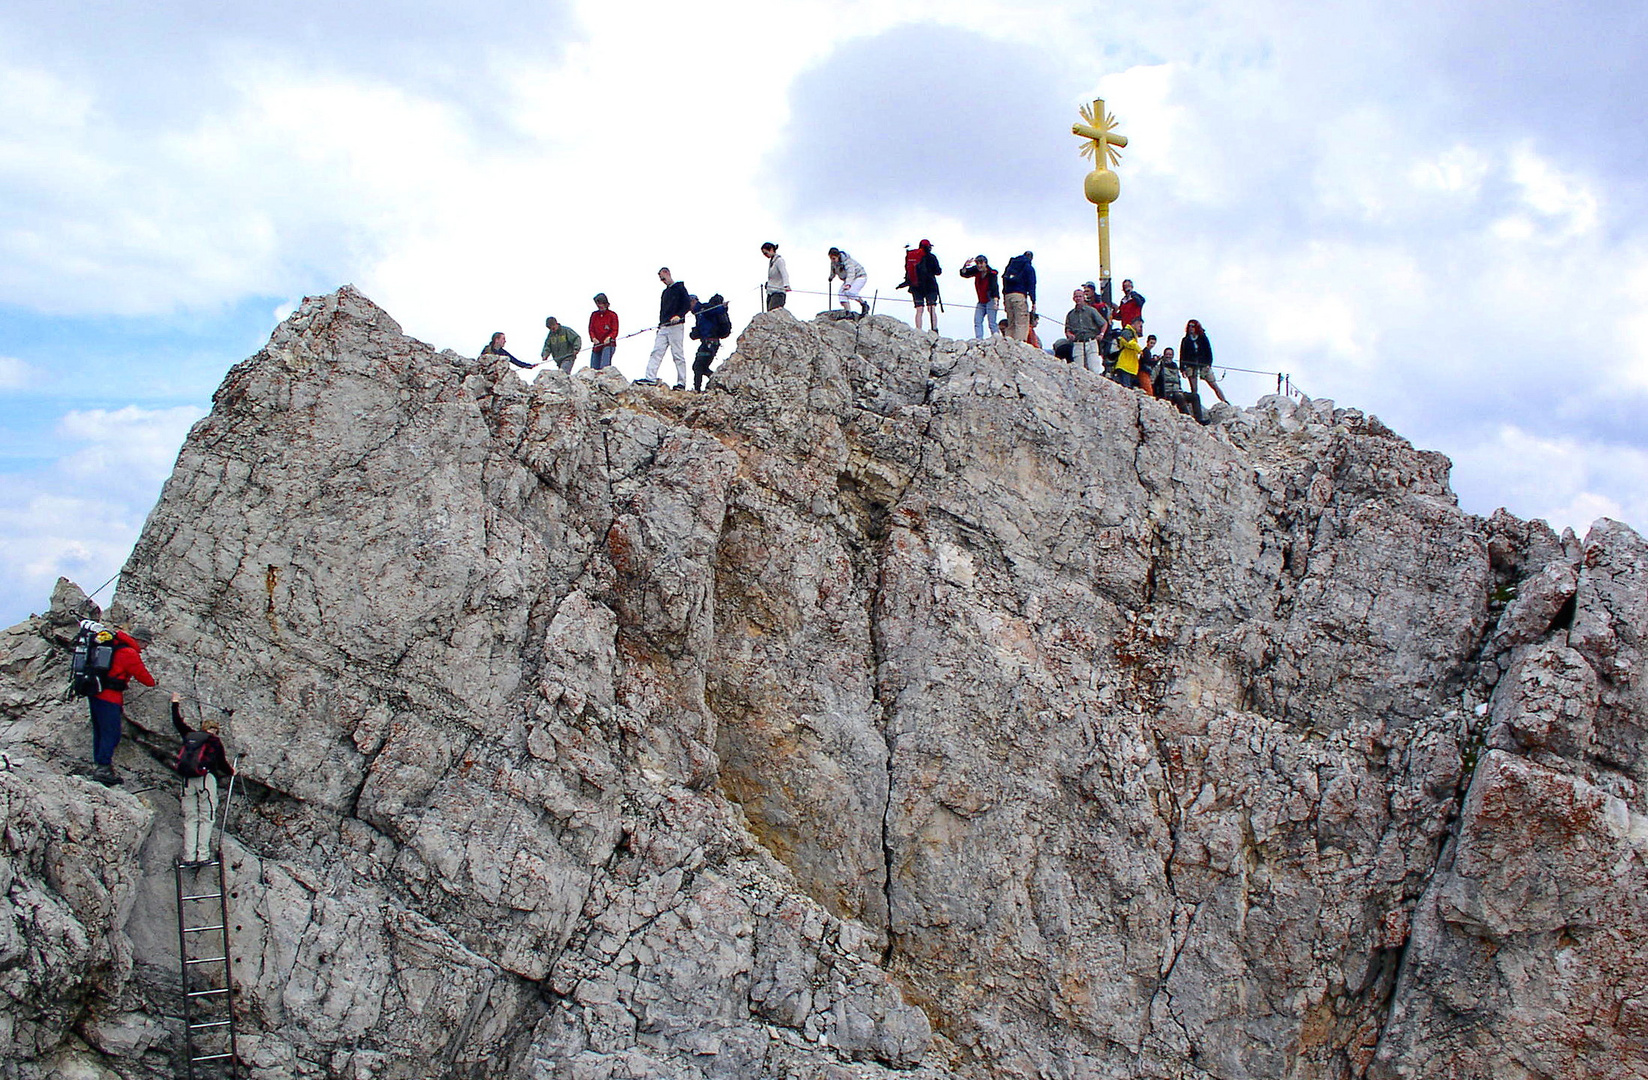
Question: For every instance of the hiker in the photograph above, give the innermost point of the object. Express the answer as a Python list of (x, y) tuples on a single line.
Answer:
[(987, 283), (200, 761), (1132, 305), (778, 276), (1018, 287), (921, 271), (1147, 363), (1129, 343), (495, 347), (1096, 302), (1082, 327), (673, 306), (1170, 388), (1030, 336), (1196, 358), (106, 661), (711, 326), (851, 273), (561, 345), (603, 333)]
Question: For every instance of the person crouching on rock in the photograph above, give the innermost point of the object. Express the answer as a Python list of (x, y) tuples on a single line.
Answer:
[(199, 762)]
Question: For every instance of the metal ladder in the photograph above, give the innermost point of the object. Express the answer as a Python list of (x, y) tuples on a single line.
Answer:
[(203, 956)]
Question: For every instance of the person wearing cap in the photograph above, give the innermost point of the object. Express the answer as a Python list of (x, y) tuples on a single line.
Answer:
[(561, 345), (987, 283), (778, 276), (200, 761), (921, 278), (603, 333), (851, 273), (1018, 287), (1096, 302), (108, 706)]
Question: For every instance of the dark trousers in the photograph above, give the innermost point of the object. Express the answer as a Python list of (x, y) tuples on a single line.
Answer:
[(105, 730), (775, 300), (702, 359)]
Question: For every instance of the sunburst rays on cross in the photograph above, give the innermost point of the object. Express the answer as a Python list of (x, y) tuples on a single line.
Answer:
[(1101, 127)]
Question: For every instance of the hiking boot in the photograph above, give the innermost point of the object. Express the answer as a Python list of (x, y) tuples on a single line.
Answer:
[(105, 775), (680, 386), (648, 382)]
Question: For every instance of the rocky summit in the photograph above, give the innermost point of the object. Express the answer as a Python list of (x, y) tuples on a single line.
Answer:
[(901, 707)]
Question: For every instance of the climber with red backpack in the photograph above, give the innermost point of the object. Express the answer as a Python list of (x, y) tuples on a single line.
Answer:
[(921, 271), (104, 662), (200, 761)]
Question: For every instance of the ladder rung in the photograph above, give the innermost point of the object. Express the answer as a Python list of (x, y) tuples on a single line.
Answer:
[(205, 896), (209, 1024), (207, 960), (201, 929), (206, 993), (211, 1057)]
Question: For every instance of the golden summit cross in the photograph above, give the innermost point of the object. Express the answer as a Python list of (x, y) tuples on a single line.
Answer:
[(1102, 185)]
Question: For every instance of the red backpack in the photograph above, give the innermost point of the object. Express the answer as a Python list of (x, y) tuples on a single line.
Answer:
[(912, 259)]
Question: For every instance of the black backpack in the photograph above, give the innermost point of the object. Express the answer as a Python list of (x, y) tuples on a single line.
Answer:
[(723, 322), (191, 759), (94, 649)]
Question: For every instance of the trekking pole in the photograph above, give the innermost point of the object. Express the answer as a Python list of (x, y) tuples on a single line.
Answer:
[(229, 797)]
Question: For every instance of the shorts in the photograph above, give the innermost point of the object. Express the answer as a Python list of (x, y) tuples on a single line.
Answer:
[(927, 296)]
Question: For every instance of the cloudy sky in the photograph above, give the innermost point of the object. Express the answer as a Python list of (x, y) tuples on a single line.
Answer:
[(1434, 212)]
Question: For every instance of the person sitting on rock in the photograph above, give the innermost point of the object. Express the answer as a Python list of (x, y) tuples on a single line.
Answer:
[(1170, 386), (199, 762)]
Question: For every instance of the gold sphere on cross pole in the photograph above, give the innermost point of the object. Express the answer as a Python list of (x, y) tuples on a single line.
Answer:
[(1101, 186)]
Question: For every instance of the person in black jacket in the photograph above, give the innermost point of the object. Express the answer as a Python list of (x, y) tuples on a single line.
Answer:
[(1196, 358), (199, 762), (673, 308), (711, 326)]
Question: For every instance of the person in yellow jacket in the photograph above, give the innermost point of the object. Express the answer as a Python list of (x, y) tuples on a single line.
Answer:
[(1127, 360)]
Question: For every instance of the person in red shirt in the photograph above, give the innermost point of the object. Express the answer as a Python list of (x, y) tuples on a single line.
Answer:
[(108, 705), (603, 333)]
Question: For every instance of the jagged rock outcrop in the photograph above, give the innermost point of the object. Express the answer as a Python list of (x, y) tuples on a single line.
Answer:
[(900, 707)]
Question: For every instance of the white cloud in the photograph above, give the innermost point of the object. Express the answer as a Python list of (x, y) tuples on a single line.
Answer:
[(137, 446), (1459, 169), (14, 374), (1569, 482), (1563, 201)]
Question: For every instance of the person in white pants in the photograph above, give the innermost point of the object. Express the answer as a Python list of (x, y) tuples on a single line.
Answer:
[(198, 762), (673, 307), (851, 273)]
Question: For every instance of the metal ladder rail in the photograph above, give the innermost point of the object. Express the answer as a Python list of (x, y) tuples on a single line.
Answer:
[(194, 1017)]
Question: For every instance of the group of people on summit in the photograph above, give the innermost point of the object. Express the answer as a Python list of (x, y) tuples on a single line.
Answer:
[(1104, 336)]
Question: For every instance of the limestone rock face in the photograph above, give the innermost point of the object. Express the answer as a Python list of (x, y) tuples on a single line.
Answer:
[(900, 707)]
